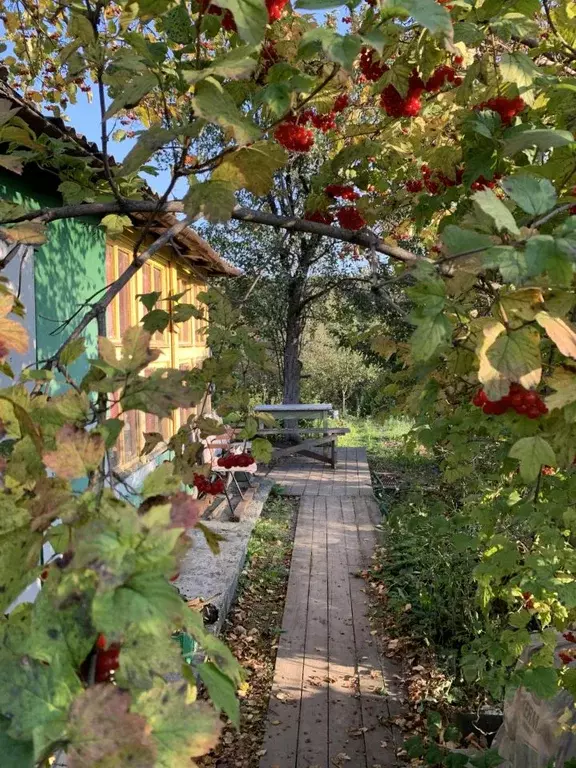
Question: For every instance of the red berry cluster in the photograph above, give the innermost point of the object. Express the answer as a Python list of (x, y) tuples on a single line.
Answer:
[(275, 8), (107, 660), (343, 191), (371, 69), (528, 600), (350, 217), (294, 137), (570, 636), (396, 105), (524, 401), (437, 181), (341, 102), (441, 75), (506, 108), (323, 123), (482, 182), (228, 22), (320, 217), (235, 460), (210, 487)]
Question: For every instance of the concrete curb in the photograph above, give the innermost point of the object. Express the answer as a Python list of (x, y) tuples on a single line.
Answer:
[(215, 577)]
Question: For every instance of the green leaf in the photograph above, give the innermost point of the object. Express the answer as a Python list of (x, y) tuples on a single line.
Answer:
[(518, 68), (376, 39), (215, 200), (103, 731), (430, 333), (236, 64), (61, 634), (253, 167), (148, 143), (467, 32), (495, 209), (262, 450), (20, 548), (147, 602), (214, 103), (213, 538), (251, 18), (533, 194), (277, 97), (15, 753), (131, 93), (342, 49), (143, 658), (72, 351), (533, 453), (110, 430), (35, 695), (458, 240), (183, 312), (543, 255), (428, 13), (181, 730), (156, 320), (161, 482), (542, 681), (149, 299), (115, 224), (221, 690), (543, 138)]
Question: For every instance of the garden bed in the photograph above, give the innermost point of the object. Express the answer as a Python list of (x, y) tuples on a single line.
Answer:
[(253, 628)]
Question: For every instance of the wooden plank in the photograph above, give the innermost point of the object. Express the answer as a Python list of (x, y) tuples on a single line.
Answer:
[(306, 430), (381, 741), (313, 737), (345, 732), (281, 738), (300, 447)]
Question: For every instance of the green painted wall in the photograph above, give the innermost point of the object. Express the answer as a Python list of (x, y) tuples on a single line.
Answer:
[(69, 267)]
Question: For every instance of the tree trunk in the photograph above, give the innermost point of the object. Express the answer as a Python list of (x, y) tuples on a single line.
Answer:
[(294, 329)]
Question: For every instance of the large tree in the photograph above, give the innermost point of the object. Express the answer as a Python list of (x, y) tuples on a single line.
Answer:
[(453, 121)]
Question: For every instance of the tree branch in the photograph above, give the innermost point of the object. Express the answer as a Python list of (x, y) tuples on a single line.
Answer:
[(115, 288), (291, 224)]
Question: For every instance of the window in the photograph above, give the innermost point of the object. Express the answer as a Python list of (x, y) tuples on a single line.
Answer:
[(181, 346)]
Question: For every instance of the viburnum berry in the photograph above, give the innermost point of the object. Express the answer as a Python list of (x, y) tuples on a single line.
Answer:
[(350, 218), (482, 183), (343, 191), (372, 70), (347, 19), (107, 662), (440, 75), (324, 123), (506, 108), (525, 402), (294, 137), (341, 103), (275, 8), (570, 636), (320, 217), (458, 60), (565, 657), (397, 106), (268, 56), (528, 601)]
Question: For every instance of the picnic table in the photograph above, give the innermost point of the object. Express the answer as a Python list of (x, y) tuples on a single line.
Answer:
[(309, 437)]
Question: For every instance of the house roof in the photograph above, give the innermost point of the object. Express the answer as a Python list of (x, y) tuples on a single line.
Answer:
[(187, 244)]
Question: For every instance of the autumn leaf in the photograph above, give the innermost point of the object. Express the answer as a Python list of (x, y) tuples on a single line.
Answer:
[(560, 331), (13, 336), (77, 453), (563, 381), (103, 731), (506, 357), (184, 511), (28, 233)]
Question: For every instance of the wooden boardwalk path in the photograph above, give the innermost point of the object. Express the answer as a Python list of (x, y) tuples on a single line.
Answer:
[(333, 696)]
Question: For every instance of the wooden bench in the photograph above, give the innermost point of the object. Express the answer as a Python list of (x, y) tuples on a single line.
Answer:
[(327, 436)]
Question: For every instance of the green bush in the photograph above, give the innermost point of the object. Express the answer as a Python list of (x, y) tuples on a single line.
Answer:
[(428, 578)]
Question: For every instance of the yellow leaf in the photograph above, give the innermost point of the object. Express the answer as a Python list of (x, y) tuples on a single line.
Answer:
[(495, 384), (78, 452), (13, 336), (28, 232), (560, 331), (522, 304)]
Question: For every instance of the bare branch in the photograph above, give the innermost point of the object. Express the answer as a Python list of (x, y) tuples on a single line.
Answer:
[(291, 224)]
